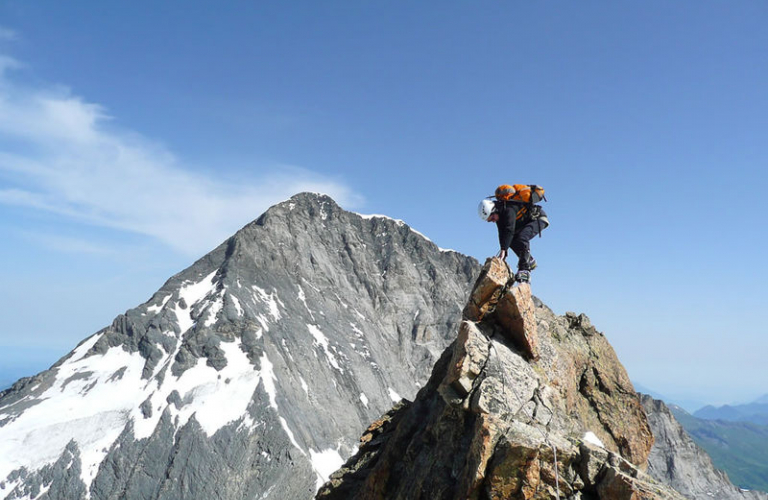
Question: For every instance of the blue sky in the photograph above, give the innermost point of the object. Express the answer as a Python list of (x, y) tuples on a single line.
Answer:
[(136, 136)]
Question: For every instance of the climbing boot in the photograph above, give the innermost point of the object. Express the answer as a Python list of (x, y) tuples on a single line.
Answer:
[(523, 276)]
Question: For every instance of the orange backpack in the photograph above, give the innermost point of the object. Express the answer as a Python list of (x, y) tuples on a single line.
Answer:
[(527, 194), (520, 192)]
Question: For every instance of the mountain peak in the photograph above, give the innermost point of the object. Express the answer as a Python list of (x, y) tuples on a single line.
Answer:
[(308, 202), (317, 212), (763, 400), (308, 205), (309, 307)]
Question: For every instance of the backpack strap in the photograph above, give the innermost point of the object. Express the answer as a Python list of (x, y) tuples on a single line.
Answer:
[(532, 187)]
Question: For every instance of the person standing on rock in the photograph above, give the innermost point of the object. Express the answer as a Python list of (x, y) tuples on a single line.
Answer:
[(518, 218)]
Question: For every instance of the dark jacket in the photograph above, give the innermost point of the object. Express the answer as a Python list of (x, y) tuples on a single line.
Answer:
[(509, 225)]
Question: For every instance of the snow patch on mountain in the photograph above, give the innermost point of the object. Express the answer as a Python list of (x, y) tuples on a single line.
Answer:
[(238, 307), (156, 309), (325, 463), (264, 325), (81, 350), (214, 398), (399, 222), (303, 298), (268, 376), (189, 295), (322, 341), (194, 292), (271, 299), (288, 431), (365, 352), (183, 318), (395, 397), (214, 309), (590, 437), (94, 398), (218, 399), (90, 402), (8, 486)]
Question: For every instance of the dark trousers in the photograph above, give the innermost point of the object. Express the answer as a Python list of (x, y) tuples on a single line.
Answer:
[(521, 242)]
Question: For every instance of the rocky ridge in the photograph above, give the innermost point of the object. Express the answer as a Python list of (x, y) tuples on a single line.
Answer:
[(524, 404)]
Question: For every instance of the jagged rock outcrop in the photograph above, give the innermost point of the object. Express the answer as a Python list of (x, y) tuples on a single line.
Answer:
[(679, 462), (251, 374), (512, 410)]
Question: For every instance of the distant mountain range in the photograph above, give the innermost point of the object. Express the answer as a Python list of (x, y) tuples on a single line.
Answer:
[(738, 448), (678, 461), (690, 405), (755, 412), (762, 399), (735, 436)]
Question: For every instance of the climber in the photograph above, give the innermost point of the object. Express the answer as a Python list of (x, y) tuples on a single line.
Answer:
[(518, 219)]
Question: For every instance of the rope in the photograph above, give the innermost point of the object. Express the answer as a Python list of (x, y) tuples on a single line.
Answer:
[(531, 419), (557, 474)]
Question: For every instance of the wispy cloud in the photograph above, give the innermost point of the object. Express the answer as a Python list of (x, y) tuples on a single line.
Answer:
[(68, 244), (62, 154)]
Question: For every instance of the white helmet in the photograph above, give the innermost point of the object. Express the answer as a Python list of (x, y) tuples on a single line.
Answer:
[(485, 209)]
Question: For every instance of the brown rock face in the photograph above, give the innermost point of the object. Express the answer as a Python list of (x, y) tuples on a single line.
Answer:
[(469, 358), (516, 314), (488, 288), (505, 413)]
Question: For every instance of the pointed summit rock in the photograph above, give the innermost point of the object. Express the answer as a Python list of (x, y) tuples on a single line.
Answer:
[(250, 374), (524, 404)]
